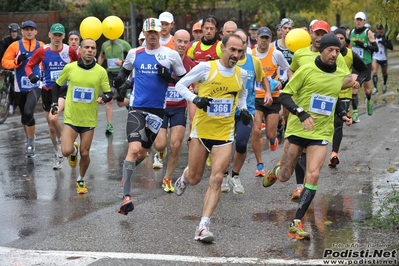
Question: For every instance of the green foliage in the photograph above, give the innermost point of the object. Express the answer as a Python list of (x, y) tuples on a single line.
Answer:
[(28, 5), (387, 13), (97, 9), (388, 214)]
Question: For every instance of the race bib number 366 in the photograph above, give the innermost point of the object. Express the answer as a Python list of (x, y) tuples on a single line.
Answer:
[(82, 95), (220, 107), (321, 104)]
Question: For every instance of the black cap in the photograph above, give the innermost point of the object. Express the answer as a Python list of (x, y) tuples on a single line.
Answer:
[(253, 27), (379, 26), (327, 40), (344, 26)]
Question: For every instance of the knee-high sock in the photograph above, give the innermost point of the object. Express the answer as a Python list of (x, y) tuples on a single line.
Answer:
[(355, 101), (305, 199), (385, 77), (375, 81), (300, 169), (128, 172)]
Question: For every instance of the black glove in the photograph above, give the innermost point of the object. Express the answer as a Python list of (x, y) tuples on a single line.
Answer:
[(245, 117), (127, 85), (202, 102), (359, 43), (21, 57), (33, 78), (303, 116), (164, 72), (54, 108), (117, 82), (107, 97)]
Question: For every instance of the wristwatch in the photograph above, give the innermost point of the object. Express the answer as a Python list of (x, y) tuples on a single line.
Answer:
[(299, 110)]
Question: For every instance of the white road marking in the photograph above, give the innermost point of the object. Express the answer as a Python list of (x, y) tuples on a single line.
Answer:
[(13, 256)]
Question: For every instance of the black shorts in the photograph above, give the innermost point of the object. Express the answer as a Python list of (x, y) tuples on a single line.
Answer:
[(267, 110), (382, 63), (111, 77), (209, 143), (80, 130), (304, 143)]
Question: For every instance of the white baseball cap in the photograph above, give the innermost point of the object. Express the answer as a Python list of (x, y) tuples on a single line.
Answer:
[(166, 17), (360, 15), (312, 22), (141, 36)]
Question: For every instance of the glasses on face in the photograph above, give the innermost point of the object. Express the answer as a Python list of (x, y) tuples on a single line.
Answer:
[(265, 37)]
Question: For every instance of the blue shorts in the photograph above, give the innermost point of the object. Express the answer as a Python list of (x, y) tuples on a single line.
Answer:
[(174, 117)]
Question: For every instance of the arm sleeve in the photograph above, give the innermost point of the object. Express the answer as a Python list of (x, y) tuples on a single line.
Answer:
[(35, 59), (360, 68), (8, 61), (388, 45), (372, 47), (286, 100), (242, 97), (196, 74)]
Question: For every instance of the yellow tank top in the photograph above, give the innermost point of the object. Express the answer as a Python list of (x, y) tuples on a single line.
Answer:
[(269, 69), (347, 93), (218, 122)]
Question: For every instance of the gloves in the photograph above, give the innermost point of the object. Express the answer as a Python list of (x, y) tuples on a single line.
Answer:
[(106, 97), (21, 57), (360, 43), (127, 85), (164, 73), (202, 102), (54, 108), (33, 78), (245, 117), (117, 82)]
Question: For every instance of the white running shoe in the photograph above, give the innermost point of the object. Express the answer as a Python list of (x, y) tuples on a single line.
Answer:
[(236, 183), (203, 234), (180, 185), (157, 162), (57, 162), (225, 184)]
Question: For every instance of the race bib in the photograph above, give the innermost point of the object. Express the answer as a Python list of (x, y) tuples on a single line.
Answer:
[(111, 63), (258, 86), (82, 95), (172, 95), (220, 107), (55, 74), (359, 51), (153, 122), (26, 84), (321, 104)]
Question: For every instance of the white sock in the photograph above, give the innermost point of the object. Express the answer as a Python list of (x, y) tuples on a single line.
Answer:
[(204, 221), (80, 178)]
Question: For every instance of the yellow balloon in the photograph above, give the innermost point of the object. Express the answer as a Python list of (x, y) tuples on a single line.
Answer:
[(113, 27), (297, 39), (91, 28)]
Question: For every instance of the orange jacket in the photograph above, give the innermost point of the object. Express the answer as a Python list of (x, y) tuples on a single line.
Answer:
[(9, 60)]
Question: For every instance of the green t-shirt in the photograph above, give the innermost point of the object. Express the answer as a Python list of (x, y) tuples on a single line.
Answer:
[(114, 50), (84, 88), (316, 92), (306, 55)]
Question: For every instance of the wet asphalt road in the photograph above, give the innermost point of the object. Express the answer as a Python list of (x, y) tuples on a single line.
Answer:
[(44, 222)]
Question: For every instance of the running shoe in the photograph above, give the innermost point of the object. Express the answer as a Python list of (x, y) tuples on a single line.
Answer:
[(334, 159), (296, 230), (369, 107), (11, 109), (235, 182), (263, 126), (162, 154), (73, 158), (274, 146), (260, 171), (81, 187), (225, 183), (374, 91), (180, 185), (384, 89), (270, 177), (209, 160), (167, 185), (57, 164), (295, 194), (30, 151), (355, 116), (109, 129), (126, 205), (203, 234), (158, 164)]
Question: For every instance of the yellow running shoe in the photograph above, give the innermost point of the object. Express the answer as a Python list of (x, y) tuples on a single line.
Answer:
[(209, 161), (167, 185), (296, 230), (81, 187), (73, 158)]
